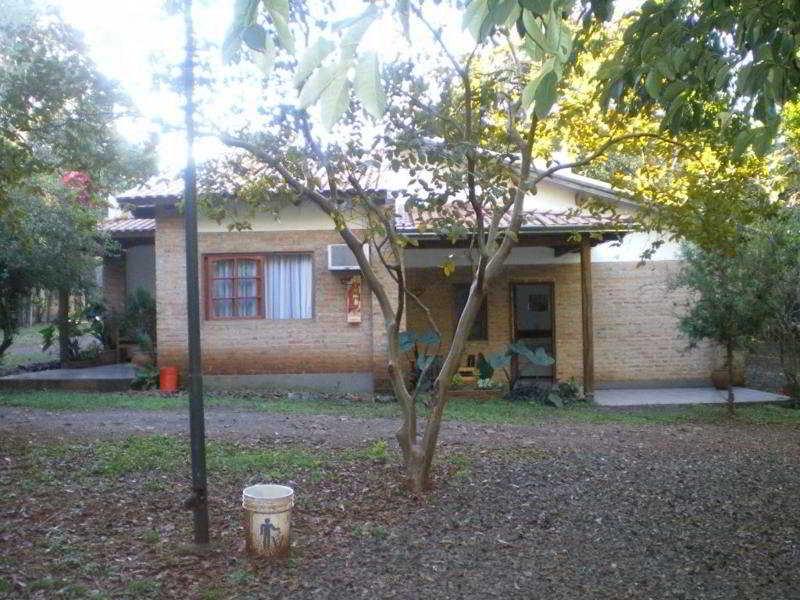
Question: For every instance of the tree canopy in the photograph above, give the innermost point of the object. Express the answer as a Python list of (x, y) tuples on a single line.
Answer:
[(710, 63), (60, 156), (57, 111)]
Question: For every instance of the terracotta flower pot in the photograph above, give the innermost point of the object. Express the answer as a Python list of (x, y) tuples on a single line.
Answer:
[(719, 378), (140, 358)]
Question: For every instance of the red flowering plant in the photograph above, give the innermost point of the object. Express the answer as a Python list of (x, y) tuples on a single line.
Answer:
[(81, 185)]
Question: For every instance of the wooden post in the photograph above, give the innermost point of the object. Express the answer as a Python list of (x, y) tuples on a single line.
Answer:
[(586, 314)]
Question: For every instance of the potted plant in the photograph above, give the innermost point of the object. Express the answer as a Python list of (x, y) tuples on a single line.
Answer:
[(138, 328), (142, 354)]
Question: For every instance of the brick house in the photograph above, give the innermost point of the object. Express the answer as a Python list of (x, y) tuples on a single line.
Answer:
[(275, 314)]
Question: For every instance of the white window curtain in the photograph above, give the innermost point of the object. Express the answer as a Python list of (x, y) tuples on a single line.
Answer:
[(289, 283)]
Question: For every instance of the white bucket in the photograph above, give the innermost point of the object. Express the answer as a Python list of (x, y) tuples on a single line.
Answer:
[(268, 509)]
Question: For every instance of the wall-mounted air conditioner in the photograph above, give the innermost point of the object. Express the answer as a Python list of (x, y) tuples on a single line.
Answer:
[(341, 258)]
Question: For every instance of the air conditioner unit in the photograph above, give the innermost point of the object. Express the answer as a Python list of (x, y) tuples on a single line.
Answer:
[(341, 258)]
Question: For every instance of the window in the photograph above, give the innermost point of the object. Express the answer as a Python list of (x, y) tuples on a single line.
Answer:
[(289, 286), (480, 328), (234, 287)]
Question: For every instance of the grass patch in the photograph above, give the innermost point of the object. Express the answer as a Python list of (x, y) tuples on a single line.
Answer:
[(5, 586), (495, 411), (143, 588), (166, 454), (26, 349)]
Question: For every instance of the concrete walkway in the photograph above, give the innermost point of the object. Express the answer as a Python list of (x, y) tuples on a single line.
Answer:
[(106, 378), (676, 396)]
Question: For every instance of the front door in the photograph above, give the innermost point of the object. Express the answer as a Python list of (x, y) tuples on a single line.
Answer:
[(533, 319)]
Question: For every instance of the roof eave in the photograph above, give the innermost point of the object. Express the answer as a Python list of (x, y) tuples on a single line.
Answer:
[(536, 230)]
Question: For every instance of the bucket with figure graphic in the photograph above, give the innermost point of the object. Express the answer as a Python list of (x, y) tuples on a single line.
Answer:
[(268, 510)]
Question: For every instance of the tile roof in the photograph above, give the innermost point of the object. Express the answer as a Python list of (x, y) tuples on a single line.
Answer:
[(127, 225), (533, 220), (154, 189)]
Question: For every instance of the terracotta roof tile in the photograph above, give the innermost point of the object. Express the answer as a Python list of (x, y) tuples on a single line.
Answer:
[(126, 225), (533, 220)]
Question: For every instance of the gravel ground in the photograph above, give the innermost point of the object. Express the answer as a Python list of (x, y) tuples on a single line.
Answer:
[(557, 511), (334, 431)]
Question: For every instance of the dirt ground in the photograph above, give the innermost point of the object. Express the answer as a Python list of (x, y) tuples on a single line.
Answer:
[(555, 511), (232, 424)]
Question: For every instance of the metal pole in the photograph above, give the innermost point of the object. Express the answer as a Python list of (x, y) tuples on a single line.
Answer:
[(199, 500)]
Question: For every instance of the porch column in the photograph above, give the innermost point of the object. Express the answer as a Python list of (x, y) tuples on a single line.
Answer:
[(586, 314)]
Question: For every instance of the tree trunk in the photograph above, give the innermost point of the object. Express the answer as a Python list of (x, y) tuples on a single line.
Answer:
[(63, 325), (729, 359), (48, 306), (8, 337)]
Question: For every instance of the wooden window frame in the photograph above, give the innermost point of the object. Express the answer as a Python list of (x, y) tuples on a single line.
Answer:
[(208, 265)]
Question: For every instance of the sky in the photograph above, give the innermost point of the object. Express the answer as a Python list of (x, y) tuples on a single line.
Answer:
[(129, 39)]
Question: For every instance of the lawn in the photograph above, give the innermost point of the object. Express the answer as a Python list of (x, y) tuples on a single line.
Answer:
[(27, 350), (706, 511), (472, 411)]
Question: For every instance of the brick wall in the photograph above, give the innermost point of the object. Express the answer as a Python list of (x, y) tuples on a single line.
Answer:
[(324, 344), (635, 324), (763, 369)]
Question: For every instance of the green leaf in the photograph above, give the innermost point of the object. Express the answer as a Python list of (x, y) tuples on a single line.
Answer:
[(335, 99), (742, 142), (536, 357), (404, 10), (357, 30), (474, 16), (565, 44), (552, 30), (312, 58), (545, 95), (554, 399), (540, 7), (424, 361), (673, 90), (448, 267), (285, 37), (278, 7), (513, 17), (406, 340), (278, 11), (499, 360), (316, 84), (266, 60), (501, 12), (367, 85), (534, 31), (428, 338), (244, 15), (255, 36), (529, 93), (652, 84), (722, 76)]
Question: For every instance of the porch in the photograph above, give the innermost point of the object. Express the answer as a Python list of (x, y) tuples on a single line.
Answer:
[(676, 396), (107, 378), (543, 299)]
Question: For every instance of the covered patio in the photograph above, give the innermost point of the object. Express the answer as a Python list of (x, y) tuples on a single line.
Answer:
[(544, 299)]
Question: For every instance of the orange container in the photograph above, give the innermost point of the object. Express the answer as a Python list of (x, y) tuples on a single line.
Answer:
[(168, 379)]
